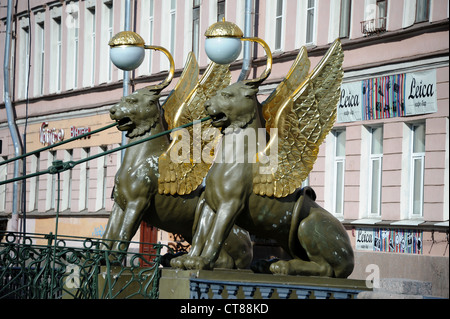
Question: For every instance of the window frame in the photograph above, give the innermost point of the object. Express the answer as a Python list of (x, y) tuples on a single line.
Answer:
[(220, 15), (312, 34), (173, 25), (346, 33), (279, 25), (373, 157), (414, 157), (24, 57), (426, 18), (56, 52), (39, 85), (338, 159), (196, 13)]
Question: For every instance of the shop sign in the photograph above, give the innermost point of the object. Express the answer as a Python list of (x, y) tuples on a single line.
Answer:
[(421, 97), (50, 136), (364, 239), (350, 107), (389, 96), (77, 131)]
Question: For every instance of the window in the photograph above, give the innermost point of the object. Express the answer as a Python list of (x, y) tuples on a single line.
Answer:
[(106, 33), (24, 62), (150, 32), (220, 10), (196, 27), (56, 53), (109, 15), (344, 21), (172, 26), (84, 179), (339, 169), (417, 169), (375, 170), (39, 59), (381, 8), (72, 24), (147, 28), (90, 47), (422, 10), (34, 183), (66, 188), (375, 17), (3, 177), (279, 25), (52, 180), (310, 21), (101, 179)]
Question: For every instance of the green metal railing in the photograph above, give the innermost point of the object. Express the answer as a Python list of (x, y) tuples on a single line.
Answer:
[(60, 166), (41, 266)]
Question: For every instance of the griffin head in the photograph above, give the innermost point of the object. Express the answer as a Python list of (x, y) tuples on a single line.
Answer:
[(234, 106), (138, 112)]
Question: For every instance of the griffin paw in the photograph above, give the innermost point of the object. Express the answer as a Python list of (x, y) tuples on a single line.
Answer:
[(281, 267), (197, 263), (178, 262)]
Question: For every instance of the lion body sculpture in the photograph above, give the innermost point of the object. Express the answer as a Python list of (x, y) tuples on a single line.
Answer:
[(316, 240), (136, 185)]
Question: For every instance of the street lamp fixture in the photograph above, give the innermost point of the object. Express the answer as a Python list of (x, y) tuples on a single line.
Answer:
[(224, 43), (127, 51)]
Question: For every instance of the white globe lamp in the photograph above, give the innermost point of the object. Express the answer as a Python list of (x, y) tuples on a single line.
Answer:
[(127, 50), (223, 42)]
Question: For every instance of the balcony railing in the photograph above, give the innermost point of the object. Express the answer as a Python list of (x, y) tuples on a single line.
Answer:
[(373, 26)]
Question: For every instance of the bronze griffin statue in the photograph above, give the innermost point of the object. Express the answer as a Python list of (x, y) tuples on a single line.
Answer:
[(136, 196), (261, 195)]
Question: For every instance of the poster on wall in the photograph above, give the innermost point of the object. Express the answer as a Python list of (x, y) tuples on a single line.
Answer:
[(398, 241), (383, 97), (421, 97), (389, 240), (350, 107)]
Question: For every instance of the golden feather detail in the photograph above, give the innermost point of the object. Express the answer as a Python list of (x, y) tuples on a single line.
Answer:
[(182, 175), (180, 93), (302, 121)]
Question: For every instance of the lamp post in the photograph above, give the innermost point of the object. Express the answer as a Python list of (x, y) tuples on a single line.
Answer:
[(224, 43), (127, 51)]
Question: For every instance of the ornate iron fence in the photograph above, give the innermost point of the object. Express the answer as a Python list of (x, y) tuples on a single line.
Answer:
[(60, 267)]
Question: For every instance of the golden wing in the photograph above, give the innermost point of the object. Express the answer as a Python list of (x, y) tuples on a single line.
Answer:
[(182, 167), (301, 125), (296, 75), (188, 80)]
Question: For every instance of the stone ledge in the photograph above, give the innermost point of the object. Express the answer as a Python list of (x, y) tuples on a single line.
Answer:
[(176, 284), (398, 288)]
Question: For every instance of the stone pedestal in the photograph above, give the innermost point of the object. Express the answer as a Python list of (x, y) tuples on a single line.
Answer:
[(244, 284)]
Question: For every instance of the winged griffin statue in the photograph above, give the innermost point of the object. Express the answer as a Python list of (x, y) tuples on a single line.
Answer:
[(251, 191), (136, 196)]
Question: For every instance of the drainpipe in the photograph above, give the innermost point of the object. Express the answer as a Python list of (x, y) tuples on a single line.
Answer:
[(14, 226), (247, 33), (126, 74)]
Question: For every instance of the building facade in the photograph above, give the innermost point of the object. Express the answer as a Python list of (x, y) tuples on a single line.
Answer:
[(383, 170)]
